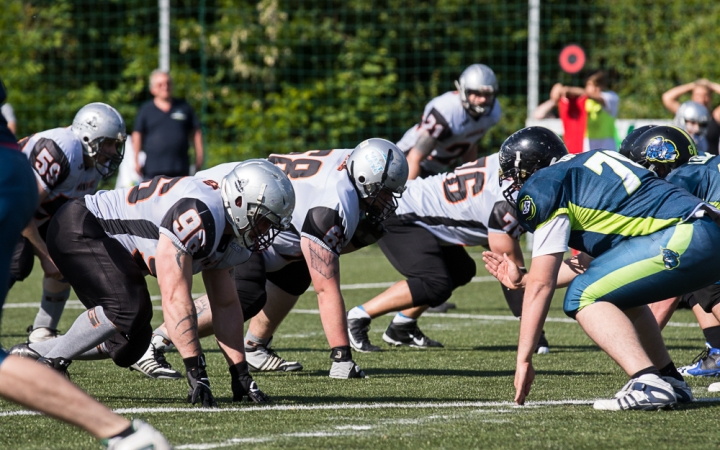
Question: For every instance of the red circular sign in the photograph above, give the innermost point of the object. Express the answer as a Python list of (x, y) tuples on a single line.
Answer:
[(572, 58)]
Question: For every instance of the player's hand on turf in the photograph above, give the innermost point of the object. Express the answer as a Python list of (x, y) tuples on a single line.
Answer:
[(524, 377), (50, 269), (243, 385), (504, 269), (200, 388)]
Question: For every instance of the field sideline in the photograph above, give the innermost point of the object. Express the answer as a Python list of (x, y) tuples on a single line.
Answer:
[(457, 397)]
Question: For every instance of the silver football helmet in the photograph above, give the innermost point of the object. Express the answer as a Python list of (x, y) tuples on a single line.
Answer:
[(478, 78), (379, 171), (94, 125), (692, 112), (259, 201)]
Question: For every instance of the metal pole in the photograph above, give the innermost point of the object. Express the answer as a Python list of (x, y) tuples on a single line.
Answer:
[(533, 52), (164, 47)]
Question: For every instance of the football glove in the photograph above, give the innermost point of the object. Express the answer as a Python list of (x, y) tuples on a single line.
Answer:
[(200, 387), (243, 385)]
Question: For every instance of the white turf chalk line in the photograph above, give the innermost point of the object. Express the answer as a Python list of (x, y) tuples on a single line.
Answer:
[(75, 304), (346, 406)]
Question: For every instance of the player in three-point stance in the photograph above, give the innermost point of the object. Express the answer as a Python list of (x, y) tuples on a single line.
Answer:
[(170, 228), (650, 241), (342, 197)]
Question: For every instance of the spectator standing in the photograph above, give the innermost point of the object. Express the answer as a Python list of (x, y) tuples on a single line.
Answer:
[(601, 108), (162, 130), (571, 110), (701, 92), (9, 114)]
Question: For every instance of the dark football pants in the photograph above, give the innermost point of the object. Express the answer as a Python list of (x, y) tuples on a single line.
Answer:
[(433, 271), (103, 273), (250, 285)]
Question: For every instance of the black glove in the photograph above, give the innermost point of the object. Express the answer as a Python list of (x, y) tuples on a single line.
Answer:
[(243, 385), (199, 383), (367, 233)]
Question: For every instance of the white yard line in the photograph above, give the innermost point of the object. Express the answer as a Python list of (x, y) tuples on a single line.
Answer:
[(346, 406)]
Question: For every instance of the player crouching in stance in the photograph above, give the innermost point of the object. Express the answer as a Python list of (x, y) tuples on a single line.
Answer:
[(339, 192), (69, 162), (436, 218), (650, 240), (170, 228)]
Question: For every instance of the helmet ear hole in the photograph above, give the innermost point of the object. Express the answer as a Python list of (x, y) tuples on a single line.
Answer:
[(361, 179), (238, 202)]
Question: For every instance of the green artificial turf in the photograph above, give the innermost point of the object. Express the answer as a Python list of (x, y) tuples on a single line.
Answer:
[(456, 397)]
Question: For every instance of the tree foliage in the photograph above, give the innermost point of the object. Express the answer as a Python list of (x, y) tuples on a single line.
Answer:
[(279, 76)]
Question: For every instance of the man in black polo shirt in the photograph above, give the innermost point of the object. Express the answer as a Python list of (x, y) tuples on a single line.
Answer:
[(163, 128)]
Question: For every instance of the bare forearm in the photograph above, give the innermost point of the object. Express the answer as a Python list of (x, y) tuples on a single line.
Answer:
[(228, 321), (536, 303), (33, 235), (182, 323)]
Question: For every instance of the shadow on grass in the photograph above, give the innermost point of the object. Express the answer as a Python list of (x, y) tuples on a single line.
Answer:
[(553, 348)]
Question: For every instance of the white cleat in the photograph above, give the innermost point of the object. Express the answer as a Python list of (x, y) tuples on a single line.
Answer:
[(264, 359), (647, 393), (154, 365), (41, 334), (344, 370)]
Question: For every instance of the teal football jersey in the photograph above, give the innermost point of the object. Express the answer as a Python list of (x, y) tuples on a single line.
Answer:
[(607, 198), (700, 177)]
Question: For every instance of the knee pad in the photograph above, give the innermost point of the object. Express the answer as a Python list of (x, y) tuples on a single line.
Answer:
[(126, 351), (430, 292), (464, 274)]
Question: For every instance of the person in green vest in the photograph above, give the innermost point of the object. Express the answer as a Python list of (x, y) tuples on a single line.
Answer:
[(601, 107)]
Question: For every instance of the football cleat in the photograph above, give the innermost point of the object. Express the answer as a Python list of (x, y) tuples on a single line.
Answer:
[(706, 364), (358, 334), (58, 364), (154, 365), (442, 308), (264, 359), (398, 334), (144, 437), (647, 393), (345, 370), (543, 348), (715, 387), (41, 334), (683, 393), (24, 351)]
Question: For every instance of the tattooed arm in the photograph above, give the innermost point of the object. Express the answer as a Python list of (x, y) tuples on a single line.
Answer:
[(324, 267), (174, 274)]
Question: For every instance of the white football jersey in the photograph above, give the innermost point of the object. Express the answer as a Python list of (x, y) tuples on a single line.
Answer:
[(461, 207), (454, 129), (327, 208), (57, 158), (187, 210)]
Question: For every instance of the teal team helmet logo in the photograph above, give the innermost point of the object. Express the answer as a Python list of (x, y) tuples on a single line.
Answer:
[(527, 206), (662, 150), (671, 258)]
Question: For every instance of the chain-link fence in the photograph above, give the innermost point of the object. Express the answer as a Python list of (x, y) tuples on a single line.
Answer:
[(278, 76)]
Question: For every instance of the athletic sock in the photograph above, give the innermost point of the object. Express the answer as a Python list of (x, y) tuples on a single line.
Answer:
[(52, 305), (95, 353), (341, 354), (90, 329), (671, 371), (160, 341), (252, 341), (401, 318), (358, 312), (652, 370), (712, 336)]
